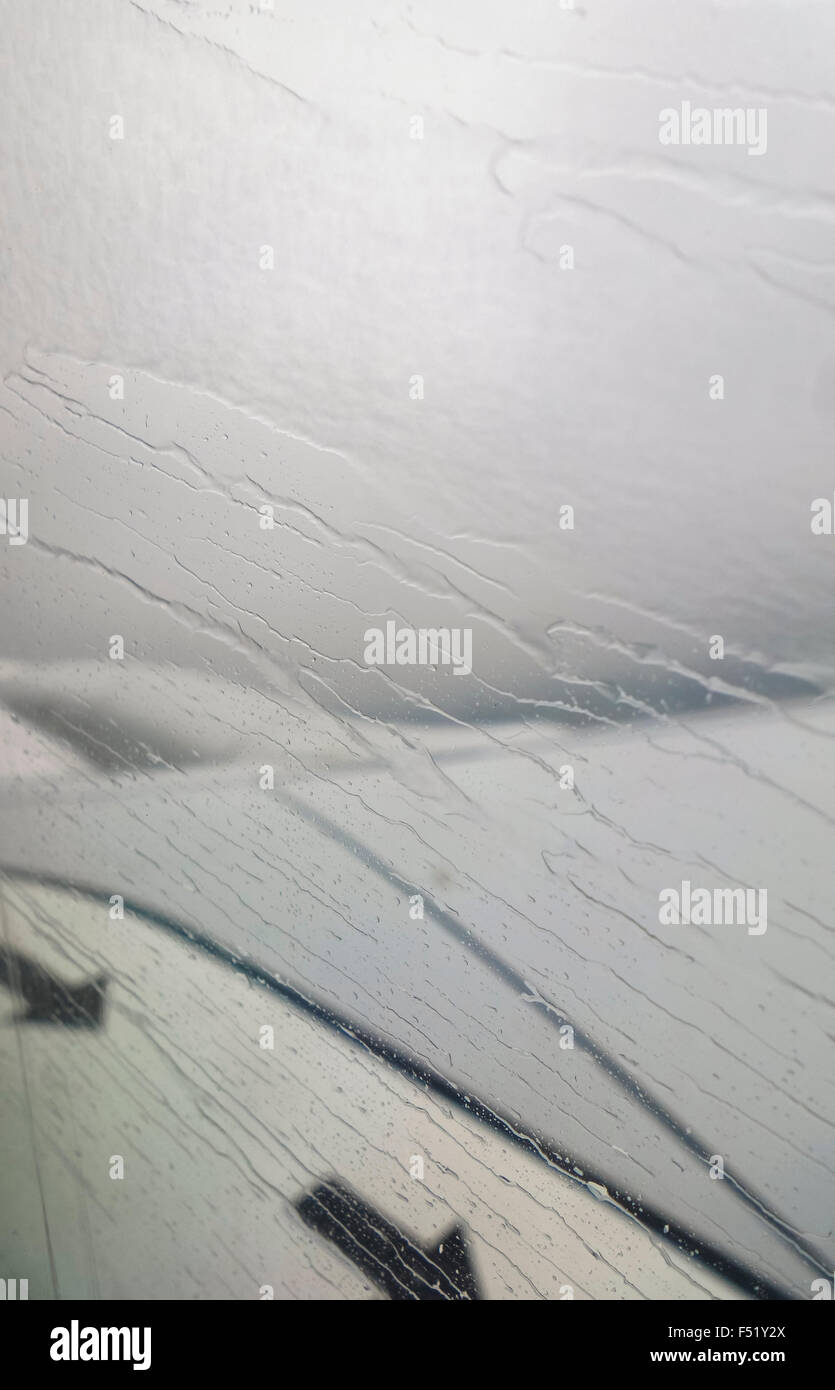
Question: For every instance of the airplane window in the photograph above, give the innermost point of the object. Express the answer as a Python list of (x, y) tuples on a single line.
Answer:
[(416, 722)]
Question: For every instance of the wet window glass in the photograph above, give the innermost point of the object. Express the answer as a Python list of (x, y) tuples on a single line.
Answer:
[(416, 786)]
